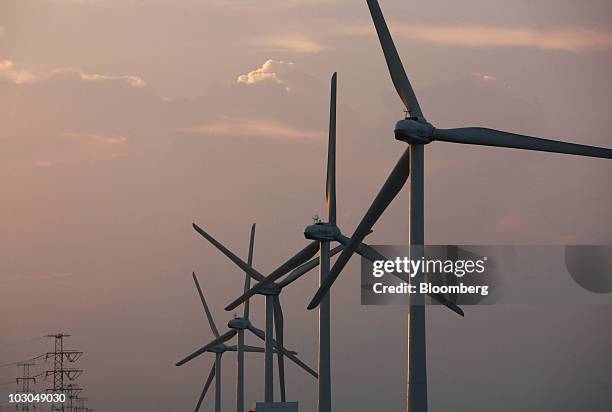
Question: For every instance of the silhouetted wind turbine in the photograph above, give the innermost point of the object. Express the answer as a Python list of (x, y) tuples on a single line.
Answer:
[(274, 316), (325, 233), (218, 347), (237, 326), (417, 132)]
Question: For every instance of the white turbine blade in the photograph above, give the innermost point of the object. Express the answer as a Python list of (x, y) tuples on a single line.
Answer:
[(247, 278), (330, 189), (290, 354), (254, 349), (241, 263), (387, 193), (497, 138), (372, 255), (223, 338), (211, 321), (211, 375), (257, 349), (305, 268), (293, 262), (394, 63)]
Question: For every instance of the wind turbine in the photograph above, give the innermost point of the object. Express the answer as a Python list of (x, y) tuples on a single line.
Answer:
[(218, 347), (325, 233), (274, 317), (322, 234), (417, 132), (236, 326)]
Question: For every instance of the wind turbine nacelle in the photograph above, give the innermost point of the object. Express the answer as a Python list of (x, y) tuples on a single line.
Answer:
[(220, 348), (322, 231), (239, 323), (414, 131)]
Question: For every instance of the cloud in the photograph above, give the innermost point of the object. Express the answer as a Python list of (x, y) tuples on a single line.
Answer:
[(485, 77), (94, 146), (8, 71), (291, 44), (575, 40), (74, 147), (253, 128), (270, 72), (134, 81), (97, 138)]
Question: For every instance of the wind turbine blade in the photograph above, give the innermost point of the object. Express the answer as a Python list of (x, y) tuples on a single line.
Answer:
[(372, 255), (244, 266), (305, 268), (293, 262), (258, 332), (223, 338), (279, 324), (497, 138), (245, 297), (387, 193), (290, 354), (211, 321), (247, 278), (394, 63), (449, 304), (330, 186), (255, 349), (211, 375)]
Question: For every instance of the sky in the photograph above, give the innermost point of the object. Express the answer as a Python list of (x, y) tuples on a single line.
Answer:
[(122, 122)]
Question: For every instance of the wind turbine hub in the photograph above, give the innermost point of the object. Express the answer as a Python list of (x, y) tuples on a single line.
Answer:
[(414, 131), (322, 231), (270, 289), (218, 349), (239, 323)]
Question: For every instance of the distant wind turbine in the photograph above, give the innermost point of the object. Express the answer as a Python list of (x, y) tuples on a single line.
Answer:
[(236, 326), (274, 317)]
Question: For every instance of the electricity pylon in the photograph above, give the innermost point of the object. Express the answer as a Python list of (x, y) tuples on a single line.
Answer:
[(25, 384), (58, 371)]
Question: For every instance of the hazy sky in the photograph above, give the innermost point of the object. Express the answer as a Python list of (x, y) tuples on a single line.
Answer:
[(121, 122)]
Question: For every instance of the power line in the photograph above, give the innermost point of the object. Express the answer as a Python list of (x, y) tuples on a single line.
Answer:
[(23, 342), (22, 361)]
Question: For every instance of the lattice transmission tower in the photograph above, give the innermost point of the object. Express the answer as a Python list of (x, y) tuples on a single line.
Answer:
[(59, 372), (25, 381)]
